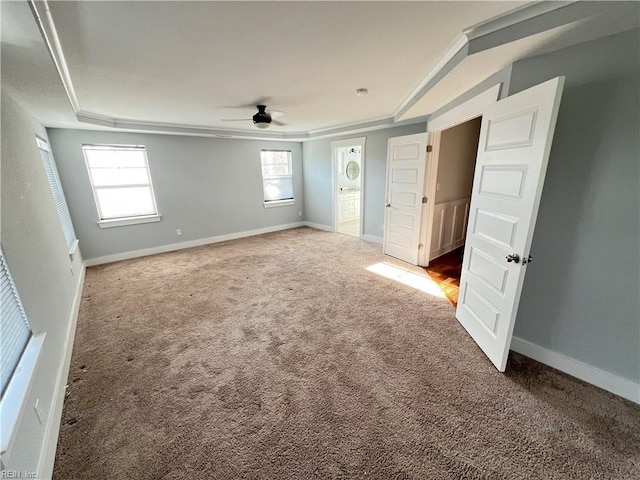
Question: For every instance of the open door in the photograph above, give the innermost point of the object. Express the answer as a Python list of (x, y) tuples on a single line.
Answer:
[(406, 163), (513, 152)]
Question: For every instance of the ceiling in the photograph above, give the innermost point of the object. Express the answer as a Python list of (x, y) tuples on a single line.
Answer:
[(184, 67)]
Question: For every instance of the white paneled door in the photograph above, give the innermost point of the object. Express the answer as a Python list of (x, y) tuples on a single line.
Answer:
[(406, 163), (513, 152)]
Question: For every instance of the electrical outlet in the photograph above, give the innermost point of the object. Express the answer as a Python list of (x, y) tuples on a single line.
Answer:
[(38, 410), (178, 231), (437, 187), (300, 213)]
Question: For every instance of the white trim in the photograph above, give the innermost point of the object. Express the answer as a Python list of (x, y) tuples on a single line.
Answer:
[(74, 248), (278, 203), (459, 47), (513, 17), (319, 226), (54, 416), (371, 239), (595, 376), (91, 262), (472, 108), (458, 52), (121, 222), (15, 398), (430, 188)]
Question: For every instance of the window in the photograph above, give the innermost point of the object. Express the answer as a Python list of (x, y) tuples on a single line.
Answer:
[(19, 352), (121, 184), (14, 326), (58, 195), (277, 177)]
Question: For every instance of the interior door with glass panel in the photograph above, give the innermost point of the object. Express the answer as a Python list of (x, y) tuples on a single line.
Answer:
[(513, 152)]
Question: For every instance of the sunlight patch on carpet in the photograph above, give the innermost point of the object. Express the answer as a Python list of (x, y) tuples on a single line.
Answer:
[(406, 277)]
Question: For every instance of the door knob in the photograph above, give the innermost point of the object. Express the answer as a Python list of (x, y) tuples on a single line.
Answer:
[(388, 205), (514, 257)]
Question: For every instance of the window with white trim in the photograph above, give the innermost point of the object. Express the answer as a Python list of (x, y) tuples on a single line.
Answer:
[(58, 195), (121, 183), (277, 177), (14, 327), (19, 353)]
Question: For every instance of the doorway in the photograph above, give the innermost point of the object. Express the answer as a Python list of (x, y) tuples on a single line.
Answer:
[(348, 163), (457, 152)]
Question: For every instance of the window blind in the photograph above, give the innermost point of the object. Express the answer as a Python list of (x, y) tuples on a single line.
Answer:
[(58, 195), (14, 328)]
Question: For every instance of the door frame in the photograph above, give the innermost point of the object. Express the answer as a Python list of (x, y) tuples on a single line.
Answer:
[(468, 110), (335, 145)]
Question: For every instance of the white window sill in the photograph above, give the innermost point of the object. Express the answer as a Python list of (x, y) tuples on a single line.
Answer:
[(279, 203), (14, 400), (121, 222), (73, 249)]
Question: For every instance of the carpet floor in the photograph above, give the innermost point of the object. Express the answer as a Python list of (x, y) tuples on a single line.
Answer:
[(281, 357)]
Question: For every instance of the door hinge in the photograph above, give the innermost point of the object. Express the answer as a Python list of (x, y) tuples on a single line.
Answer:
[(420, 245), (424, 199), (429, 148)]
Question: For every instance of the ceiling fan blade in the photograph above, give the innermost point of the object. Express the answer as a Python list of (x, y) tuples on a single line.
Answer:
[(276, 113), (279, 123), (235, 119)]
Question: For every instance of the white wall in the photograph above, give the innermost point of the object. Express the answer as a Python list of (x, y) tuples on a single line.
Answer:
[(318, 190), (204, 186), (580, 296), (457, 160), (47, 280)]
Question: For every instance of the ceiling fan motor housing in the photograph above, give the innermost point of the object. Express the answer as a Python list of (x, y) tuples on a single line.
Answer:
[(262, 119)]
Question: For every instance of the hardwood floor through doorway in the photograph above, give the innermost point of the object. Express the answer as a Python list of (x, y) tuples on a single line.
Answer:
[(445, 270)]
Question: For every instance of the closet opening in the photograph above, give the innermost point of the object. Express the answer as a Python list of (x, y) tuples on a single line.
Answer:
[(456, 160)]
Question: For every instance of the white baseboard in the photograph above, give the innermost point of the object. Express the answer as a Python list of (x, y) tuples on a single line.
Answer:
[(52, 429), (329, 228), (371, 238), (600, 378), (319, 226), (91, 262)]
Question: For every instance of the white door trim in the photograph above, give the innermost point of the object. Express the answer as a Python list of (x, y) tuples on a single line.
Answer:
[(472, 108), (430, 183), (335, 145)]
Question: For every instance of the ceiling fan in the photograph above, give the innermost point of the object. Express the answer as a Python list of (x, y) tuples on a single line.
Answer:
[(262, 119)]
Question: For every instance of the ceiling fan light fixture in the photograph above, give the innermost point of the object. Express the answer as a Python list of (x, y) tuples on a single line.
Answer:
[(262, 119)]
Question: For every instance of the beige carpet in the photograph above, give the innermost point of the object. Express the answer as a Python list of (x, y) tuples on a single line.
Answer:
[(281, 357)]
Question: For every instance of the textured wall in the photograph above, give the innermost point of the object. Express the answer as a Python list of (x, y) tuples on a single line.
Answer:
[(204, 186), (38, 257)]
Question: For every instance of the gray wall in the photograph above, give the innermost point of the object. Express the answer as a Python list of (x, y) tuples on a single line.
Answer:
[(204, 186), (318, 193), (38, 257), (457, 161), (580, 294)]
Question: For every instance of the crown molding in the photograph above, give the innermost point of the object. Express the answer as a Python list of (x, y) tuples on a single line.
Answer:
[(519, 15), (467, 44), (460, 49)]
